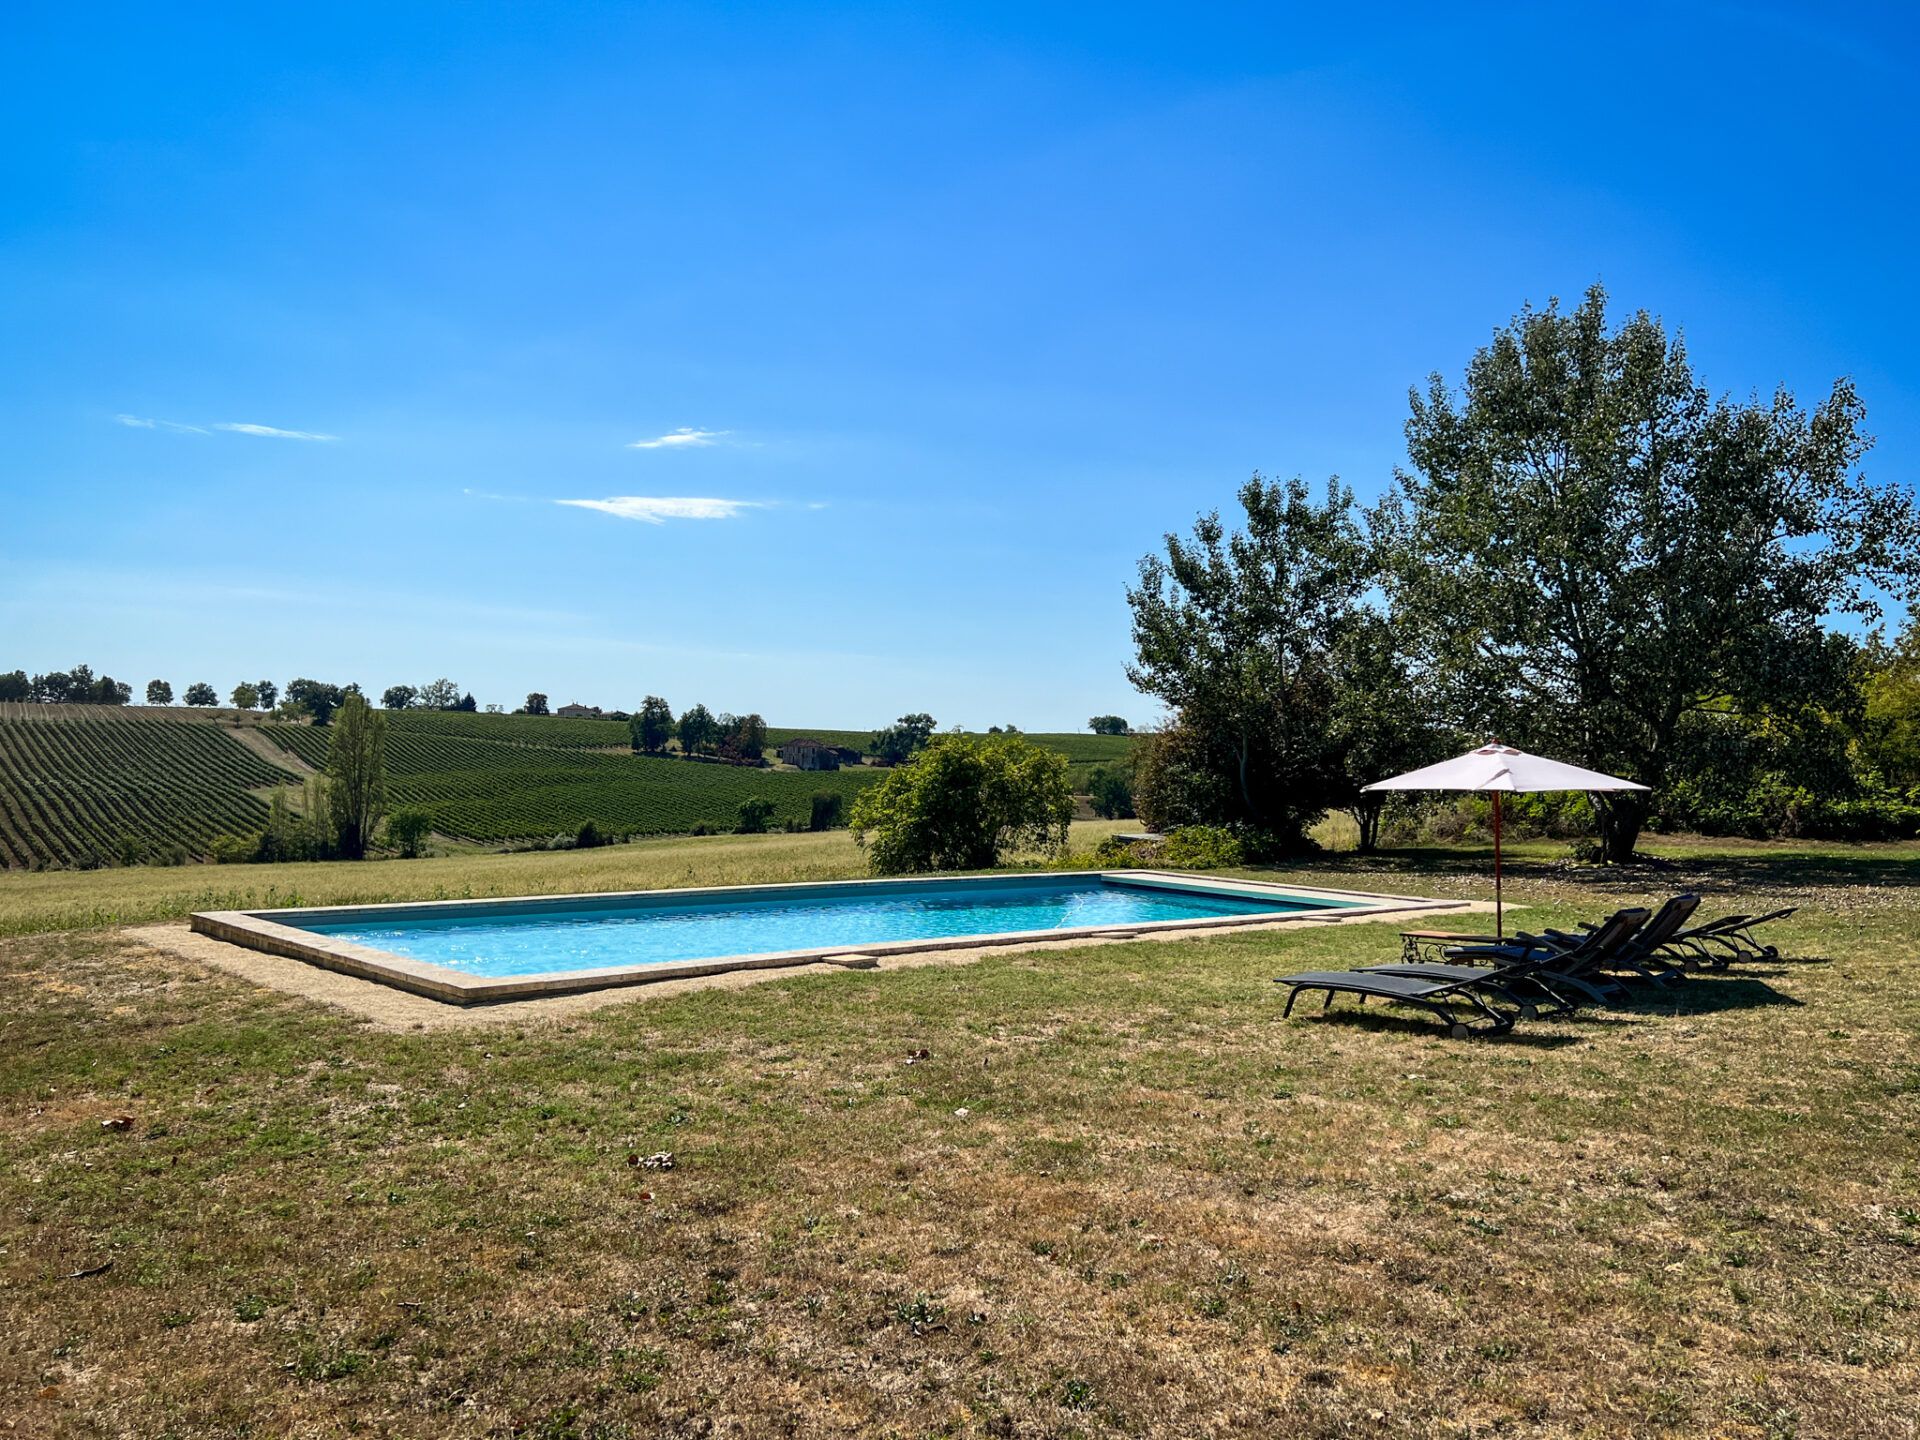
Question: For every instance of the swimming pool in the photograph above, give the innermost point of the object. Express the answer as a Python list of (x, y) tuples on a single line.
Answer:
[(477, 950)]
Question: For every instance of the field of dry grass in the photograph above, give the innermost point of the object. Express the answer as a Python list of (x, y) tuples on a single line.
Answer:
[(90, 899), (1105, 1192)]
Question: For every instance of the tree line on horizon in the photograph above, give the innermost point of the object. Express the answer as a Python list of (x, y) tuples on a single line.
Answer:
[(653, 726)]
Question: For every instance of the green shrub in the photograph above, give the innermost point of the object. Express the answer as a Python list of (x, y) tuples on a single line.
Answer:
[(827, 809), (1110, 792), (1202, 847), (407, 830), (754, 812), (236, 849), (589, 836), (961, 802)]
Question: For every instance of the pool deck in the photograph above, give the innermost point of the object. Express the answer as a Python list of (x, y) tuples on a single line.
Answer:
[(267, 931)]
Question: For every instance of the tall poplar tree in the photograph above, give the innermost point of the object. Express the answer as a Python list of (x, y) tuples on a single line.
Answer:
[(356, 774)]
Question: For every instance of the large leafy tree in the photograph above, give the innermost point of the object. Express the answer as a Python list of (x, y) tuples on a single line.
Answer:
[(441, 694), (1890, 726), (1590, 547), (77, 686), (316, 697), (1381, 723), (963, 801), (652, 726), (698, 730), (743, 739), (903, 739), (1238, 634), (356, 774), (159, 692)]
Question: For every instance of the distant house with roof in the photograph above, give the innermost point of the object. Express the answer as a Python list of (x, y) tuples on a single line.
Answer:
[(579, 712), (807, 753)]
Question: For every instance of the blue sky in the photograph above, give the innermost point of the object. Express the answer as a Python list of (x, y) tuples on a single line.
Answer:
[(960, 308)]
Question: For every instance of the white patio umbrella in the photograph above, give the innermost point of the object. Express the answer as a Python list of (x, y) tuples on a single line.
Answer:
[(1502, 770)]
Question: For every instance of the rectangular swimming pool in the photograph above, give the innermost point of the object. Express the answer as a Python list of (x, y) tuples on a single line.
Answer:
[(478, 950)]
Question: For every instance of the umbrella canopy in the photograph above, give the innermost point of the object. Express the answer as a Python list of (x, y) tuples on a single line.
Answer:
[(1505, 769), (1502, 770)]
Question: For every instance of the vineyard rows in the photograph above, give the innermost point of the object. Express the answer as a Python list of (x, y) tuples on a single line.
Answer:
[(77, 783), (80, 784), (550, 732), (490, 790)]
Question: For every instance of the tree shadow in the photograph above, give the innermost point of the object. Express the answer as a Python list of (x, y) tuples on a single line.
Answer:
[(1726, 873)]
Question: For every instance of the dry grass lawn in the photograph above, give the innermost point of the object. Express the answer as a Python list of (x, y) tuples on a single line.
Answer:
[(1118, 1196)]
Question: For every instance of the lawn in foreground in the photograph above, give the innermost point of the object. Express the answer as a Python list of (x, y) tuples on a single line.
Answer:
[(1118, 1196)]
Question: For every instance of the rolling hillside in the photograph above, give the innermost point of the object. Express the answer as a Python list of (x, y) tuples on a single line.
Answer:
[(84, 785), (496, 789), (80, 783)]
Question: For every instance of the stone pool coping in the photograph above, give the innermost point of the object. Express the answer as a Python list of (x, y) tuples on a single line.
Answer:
[(260, 930)]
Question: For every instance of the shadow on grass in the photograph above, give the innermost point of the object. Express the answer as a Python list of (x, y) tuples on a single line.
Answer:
[(1718, 874), (1402, 1022), (1693, 996), (1770, 965), (1707, 995)]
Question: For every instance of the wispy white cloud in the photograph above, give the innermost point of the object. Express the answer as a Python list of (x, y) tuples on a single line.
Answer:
[(141, 422), (271, 432), (658, 509), (685, 438)]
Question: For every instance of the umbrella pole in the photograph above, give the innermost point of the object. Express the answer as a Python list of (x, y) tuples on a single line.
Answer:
[(1499, 929)]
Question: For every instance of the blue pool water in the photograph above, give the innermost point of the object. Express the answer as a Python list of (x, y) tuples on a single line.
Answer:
[(657, 928)]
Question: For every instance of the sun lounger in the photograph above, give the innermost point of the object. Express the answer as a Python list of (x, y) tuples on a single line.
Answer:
[(1460, 1005), (1526, 970), (1718, 943), (1642, 952)]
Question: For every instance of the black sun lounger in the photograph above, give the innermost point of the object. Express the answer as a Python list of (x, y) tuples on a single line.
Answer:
[(1718, 943), (1530, 969), (1641, 953), (1461, 1005)]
